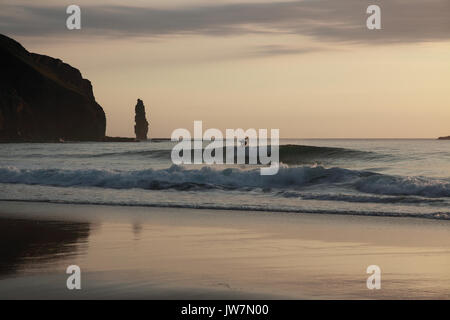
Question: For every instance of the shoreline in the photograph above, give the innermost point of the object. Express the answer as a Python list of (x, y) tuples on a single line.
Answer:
[(104, 140), (173, 253), (131, 139), (441, 216)]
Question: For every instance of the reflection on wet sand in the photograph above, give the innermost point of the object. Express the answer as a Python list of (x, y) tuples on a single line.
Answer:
[(167, 253), (25, 244), (137, 230)]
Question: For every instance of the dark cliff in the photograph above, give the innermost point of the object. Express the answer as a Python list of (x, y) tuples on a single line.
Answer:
[(45, 99)]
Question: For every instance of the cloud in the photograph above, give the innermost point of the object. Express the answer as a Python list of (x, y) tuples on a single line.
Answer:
[(275, 49), (323, 20)]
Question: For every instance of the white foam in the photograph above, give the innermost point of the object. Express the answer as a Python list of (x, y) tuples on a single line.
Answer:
[(177, 177)]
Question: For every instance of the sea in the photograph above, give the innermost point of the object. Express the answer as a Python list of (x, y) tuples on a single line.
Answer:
[(388, 177)]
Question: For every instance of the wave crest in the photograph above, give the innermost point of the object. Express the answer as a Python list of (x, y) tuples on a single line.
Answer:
[(290, 154), (180, 178)]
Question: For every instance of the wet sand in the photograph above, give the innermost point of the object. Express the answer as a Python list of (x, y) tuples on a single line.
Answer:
[(165, 253)]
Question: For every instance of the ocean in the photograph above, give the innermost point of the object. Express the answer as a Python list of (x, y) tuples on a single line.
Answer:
[(397, 178)]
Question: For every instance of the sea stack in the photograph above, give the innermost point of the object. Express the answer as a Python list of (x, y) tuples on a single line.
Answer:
[(141, 126)]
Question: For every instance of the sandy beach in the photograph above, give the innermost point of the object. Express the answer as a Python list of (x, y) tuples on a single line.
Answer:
[(169, 253)]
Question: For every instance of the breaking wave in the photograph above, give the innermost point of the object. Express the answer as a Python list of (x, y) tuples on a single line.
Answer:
[(180, 178), (289, 154)]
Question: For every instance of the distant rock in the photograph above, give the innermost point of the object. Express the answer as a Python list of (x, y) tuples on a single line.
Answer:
[(141, 126), (444, 138), (45, 99), (119, 139)]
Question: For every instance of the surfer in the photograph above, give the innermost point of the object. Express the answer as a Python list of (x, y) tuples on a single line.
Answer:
[(245, 142)]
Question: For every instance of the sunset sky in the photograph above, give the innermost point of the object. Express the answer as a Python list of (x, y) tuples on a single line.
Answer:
[(310, 68)]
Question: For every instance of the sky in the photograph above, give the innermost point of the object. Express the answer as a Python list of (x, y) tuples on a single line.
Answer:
[(310, 68)]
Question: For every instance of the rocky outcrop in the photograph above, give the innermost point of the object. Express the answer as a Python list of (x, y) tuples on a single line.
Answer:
[(141, 126), (444, 138), (119, 139), (45, 99)]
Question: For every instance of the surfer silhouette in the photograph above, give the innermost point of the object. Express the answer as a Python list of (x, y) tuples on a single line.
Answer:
[(245, 142)]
